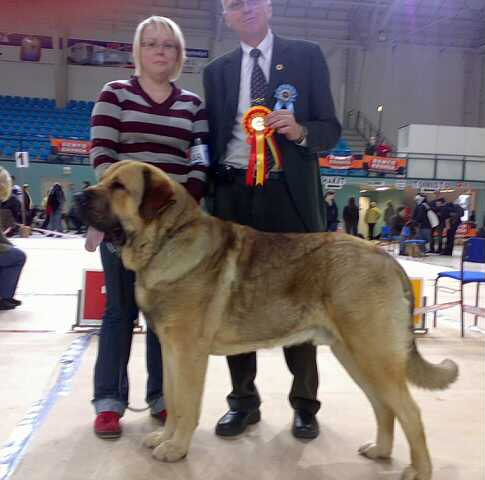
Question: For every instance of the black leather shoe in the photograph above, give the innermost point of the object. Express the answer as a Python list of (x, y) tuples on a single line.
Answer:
[(305, 425), (235, 422), (6, 305), (13, 301)]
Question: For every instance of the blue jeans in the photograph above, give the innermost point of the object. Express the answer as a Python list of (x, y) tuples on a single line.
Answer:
[(12, 260), (425, 234), (55, 221), (111, 386)]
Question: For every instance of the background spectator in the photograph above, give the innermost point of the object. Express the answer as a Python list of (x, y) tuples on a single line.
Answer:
[(371, 218), (351, 217), (332, 211)]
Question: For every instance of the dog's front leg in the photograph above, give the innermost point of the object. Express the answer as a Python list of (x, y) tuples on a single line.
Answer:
[(188, 365), (157, 437)]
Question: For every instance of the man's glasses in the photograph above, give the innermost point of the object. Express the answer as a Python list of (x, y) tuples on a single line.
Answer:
[(167, 47), (238, 5)]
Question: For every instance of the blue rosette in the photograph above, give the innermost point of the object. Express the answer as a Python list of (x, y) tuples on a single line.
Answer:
[(285, 97)]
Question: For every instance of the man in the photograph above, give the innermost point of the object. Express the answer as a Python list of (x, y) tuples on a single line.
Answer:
[(331, 212), (290, 199), (389, 214), (398, 222), (437, 232), (421, 220), (453, 214)]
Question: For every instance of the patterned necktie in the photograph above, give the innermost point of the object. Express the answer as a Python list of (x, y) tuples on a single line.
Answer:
[(259, 88)]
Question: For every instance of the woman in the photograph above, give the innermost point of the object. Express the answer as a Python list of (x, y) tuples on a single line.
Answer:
[(371, 218), (146, 118), (55, 204), (351, 217)]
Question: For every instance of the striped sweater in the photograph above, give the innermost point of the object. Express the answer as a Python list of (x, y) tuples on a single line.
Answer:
[(127, 124)]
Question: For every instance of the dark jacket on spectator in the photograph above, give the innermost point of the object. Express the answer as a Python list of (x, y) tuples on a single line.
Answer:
[(420, 216), (397, 224)]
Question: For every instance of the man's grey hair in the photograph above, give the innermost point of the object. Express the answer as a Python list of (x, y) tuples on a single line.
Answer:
[(224, 1)]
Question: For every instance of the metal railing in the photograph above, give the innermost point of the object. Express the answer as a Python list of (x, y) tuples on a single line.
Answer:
[(359, 122)]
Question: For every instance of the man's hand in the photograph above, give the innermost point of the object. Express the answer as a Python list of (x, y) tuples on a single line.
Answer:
[(283, 121)]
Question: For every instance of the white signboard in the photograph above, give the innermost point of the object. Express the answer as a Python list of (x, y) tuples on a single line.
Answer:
[(333, 183), (22, 159)]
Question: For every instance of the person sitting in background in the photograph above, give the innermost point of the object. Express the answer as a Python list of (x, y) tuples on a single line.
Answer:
[(370, 148), (332, 211), (13, 205), (351, 216), (383, 150), (12, 259), (371, 218)]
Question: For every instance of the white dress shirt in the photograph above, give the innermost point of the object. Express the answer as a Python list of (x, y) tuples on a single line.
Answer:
[(237, 153)]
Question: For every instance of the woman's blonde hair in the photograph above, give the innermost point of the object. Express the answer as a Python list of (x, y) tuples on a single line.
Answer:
[(5, 185), (160, 23)]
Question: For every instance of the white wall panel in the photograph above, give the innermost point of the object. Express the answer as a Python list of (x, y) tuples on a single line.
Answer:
[(416, 85)]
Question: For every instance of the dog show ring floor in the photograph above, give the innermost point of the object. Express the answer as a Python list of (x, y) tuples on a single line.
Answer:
[(47, 381)]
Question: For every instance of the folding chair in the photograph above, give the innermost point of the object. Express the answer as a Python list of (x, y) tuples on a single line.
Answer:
[(473, 252)]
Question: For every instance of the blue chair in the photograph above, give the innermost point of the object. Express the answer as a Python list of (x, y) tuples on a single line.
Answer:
[(473, 252)]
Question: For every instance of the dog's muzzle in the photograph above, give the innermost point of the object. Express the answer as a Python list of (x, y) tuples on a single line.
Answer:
[(111, 227)]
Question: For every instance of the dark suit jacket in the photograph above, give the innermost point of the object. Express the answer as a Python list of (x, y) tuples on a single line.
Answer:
[(294, 62)]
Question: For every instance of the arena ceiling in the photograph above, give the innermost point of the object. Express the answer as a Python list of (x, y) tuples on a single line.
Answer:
[(344, 23)]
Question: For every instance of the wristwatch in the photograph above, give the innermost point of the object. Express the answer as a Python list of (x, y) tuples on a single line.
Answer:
[(302, 137)]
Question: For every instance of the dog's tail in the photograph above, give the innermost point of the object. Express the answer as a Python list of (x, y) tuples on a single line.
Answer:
[(428, 375), (420, 372)]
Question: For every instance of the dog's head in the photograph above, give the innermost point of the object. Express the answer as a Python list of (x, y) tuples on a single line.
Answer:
[(5, 185), (129, 196)]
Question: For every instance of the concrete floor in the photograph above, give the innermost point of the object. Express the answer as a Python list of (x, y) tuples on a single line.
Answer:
[(34, 337)]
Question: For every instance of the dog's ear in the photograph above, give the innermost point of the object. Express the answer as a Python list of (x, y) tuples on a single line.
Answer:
[(157, 195)]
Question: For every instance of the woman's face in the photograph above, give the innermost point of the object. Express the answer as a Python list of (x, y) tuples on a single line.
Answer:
[(158, 52)]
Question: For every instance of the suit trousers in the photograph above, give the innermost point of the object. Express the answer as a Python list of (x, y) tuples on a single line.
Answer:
[(269, 208)]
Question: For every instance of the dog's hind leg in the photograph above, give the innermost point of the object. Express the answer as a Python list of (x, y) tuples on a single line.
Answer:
[(386, 374), (188, 365), (382, 448), (408, 414)]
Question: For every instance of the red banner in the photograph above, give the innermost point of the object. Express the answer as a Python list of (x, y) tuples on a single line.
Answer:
[(383, 164), (70, 147), (363, 166)]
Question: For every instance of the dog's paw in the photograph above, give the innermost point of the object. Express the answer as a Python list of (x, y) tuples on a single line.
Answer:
[(410, 473), (371, 450), (153, 439), (169, 452)]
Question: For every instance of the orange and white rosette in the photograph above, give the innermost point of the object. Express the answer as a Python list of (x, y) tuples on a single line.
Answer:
[(258, 135)]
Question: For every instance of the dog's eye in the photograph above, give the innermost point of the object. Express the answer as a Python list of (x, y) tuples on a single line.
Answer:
[(117, 186)]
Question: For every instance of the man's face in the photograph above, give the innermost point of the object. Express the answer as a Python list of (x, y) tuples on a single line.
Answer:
[(247, 17)]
